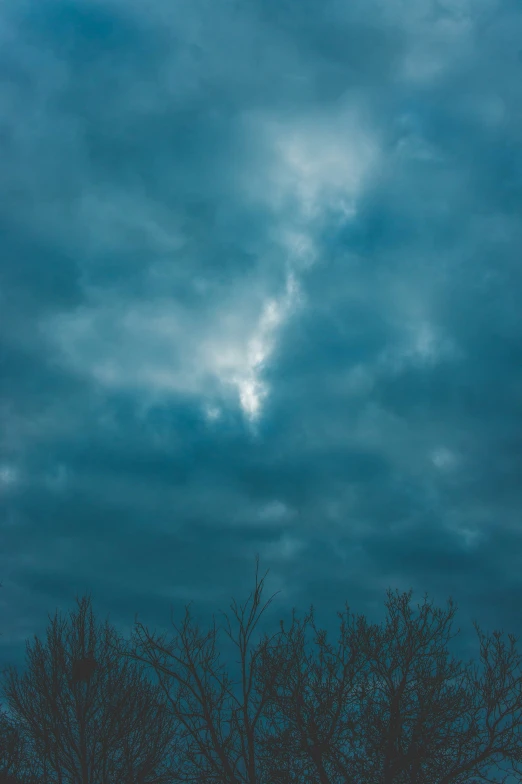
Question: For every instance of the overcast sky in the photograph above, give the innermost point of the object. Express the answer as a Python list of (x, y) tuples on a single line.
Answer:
[(260, 286)]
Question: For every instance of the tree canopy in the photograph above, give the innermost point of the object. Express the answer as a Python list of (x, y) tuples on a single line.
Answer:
[(385, 702)]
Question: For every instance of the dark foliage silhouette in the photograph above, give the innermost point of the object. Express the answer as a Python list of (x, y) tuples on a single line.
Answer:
[(90, 716)]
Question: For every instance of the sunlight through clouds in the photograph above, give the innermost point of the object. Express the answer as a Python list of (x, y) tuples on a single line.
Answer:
[(252, 390), (161, 349)]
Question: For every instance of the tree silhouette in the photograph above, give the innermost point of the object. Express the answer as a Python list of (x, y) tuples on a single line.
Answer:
[(387, 704), (390, 704), (221, 719), (91, 717), (16, 764), (13, 751)]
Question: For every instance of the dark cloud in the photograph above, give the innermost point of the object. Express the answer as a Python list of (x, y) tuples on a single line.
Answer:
[(259, 293)]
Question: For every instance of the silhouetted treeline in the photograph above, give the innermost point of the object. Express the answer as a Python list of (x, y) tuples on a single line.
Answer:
[(386, 703)]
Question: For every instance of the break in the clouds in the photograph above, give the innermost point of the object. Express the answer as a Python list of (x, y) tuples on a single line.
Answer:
[(260, 292)]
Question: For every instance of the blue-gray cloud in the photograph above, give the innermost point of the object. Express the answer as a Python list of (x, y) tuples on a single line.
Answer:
[(260, 293)]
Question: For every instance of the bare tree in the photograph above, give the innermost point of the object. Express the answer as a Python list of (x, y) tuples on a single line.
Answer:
[(223, 719), (14, 759), (17, 765), (390, 704), (387, 704), (91, 716)]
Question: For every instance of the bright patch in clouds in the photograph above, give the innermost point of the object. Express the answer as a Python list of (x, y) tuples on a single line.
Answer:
[(160, 347), (444, 459), (315, 166), (8, 476), (212, 413), (275, 511), (251, 388)]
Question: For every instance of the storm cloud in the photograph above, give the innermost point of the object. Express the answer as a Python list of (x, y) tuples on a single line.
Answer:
[(260, 292)]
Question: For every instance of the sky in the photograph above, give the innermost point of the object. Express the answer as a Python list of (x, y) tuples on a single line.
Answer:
[(260, 292)]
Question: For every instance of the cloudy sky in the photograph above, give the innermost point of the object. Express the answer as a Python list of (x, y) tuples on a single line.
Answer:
[(260, 292)]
